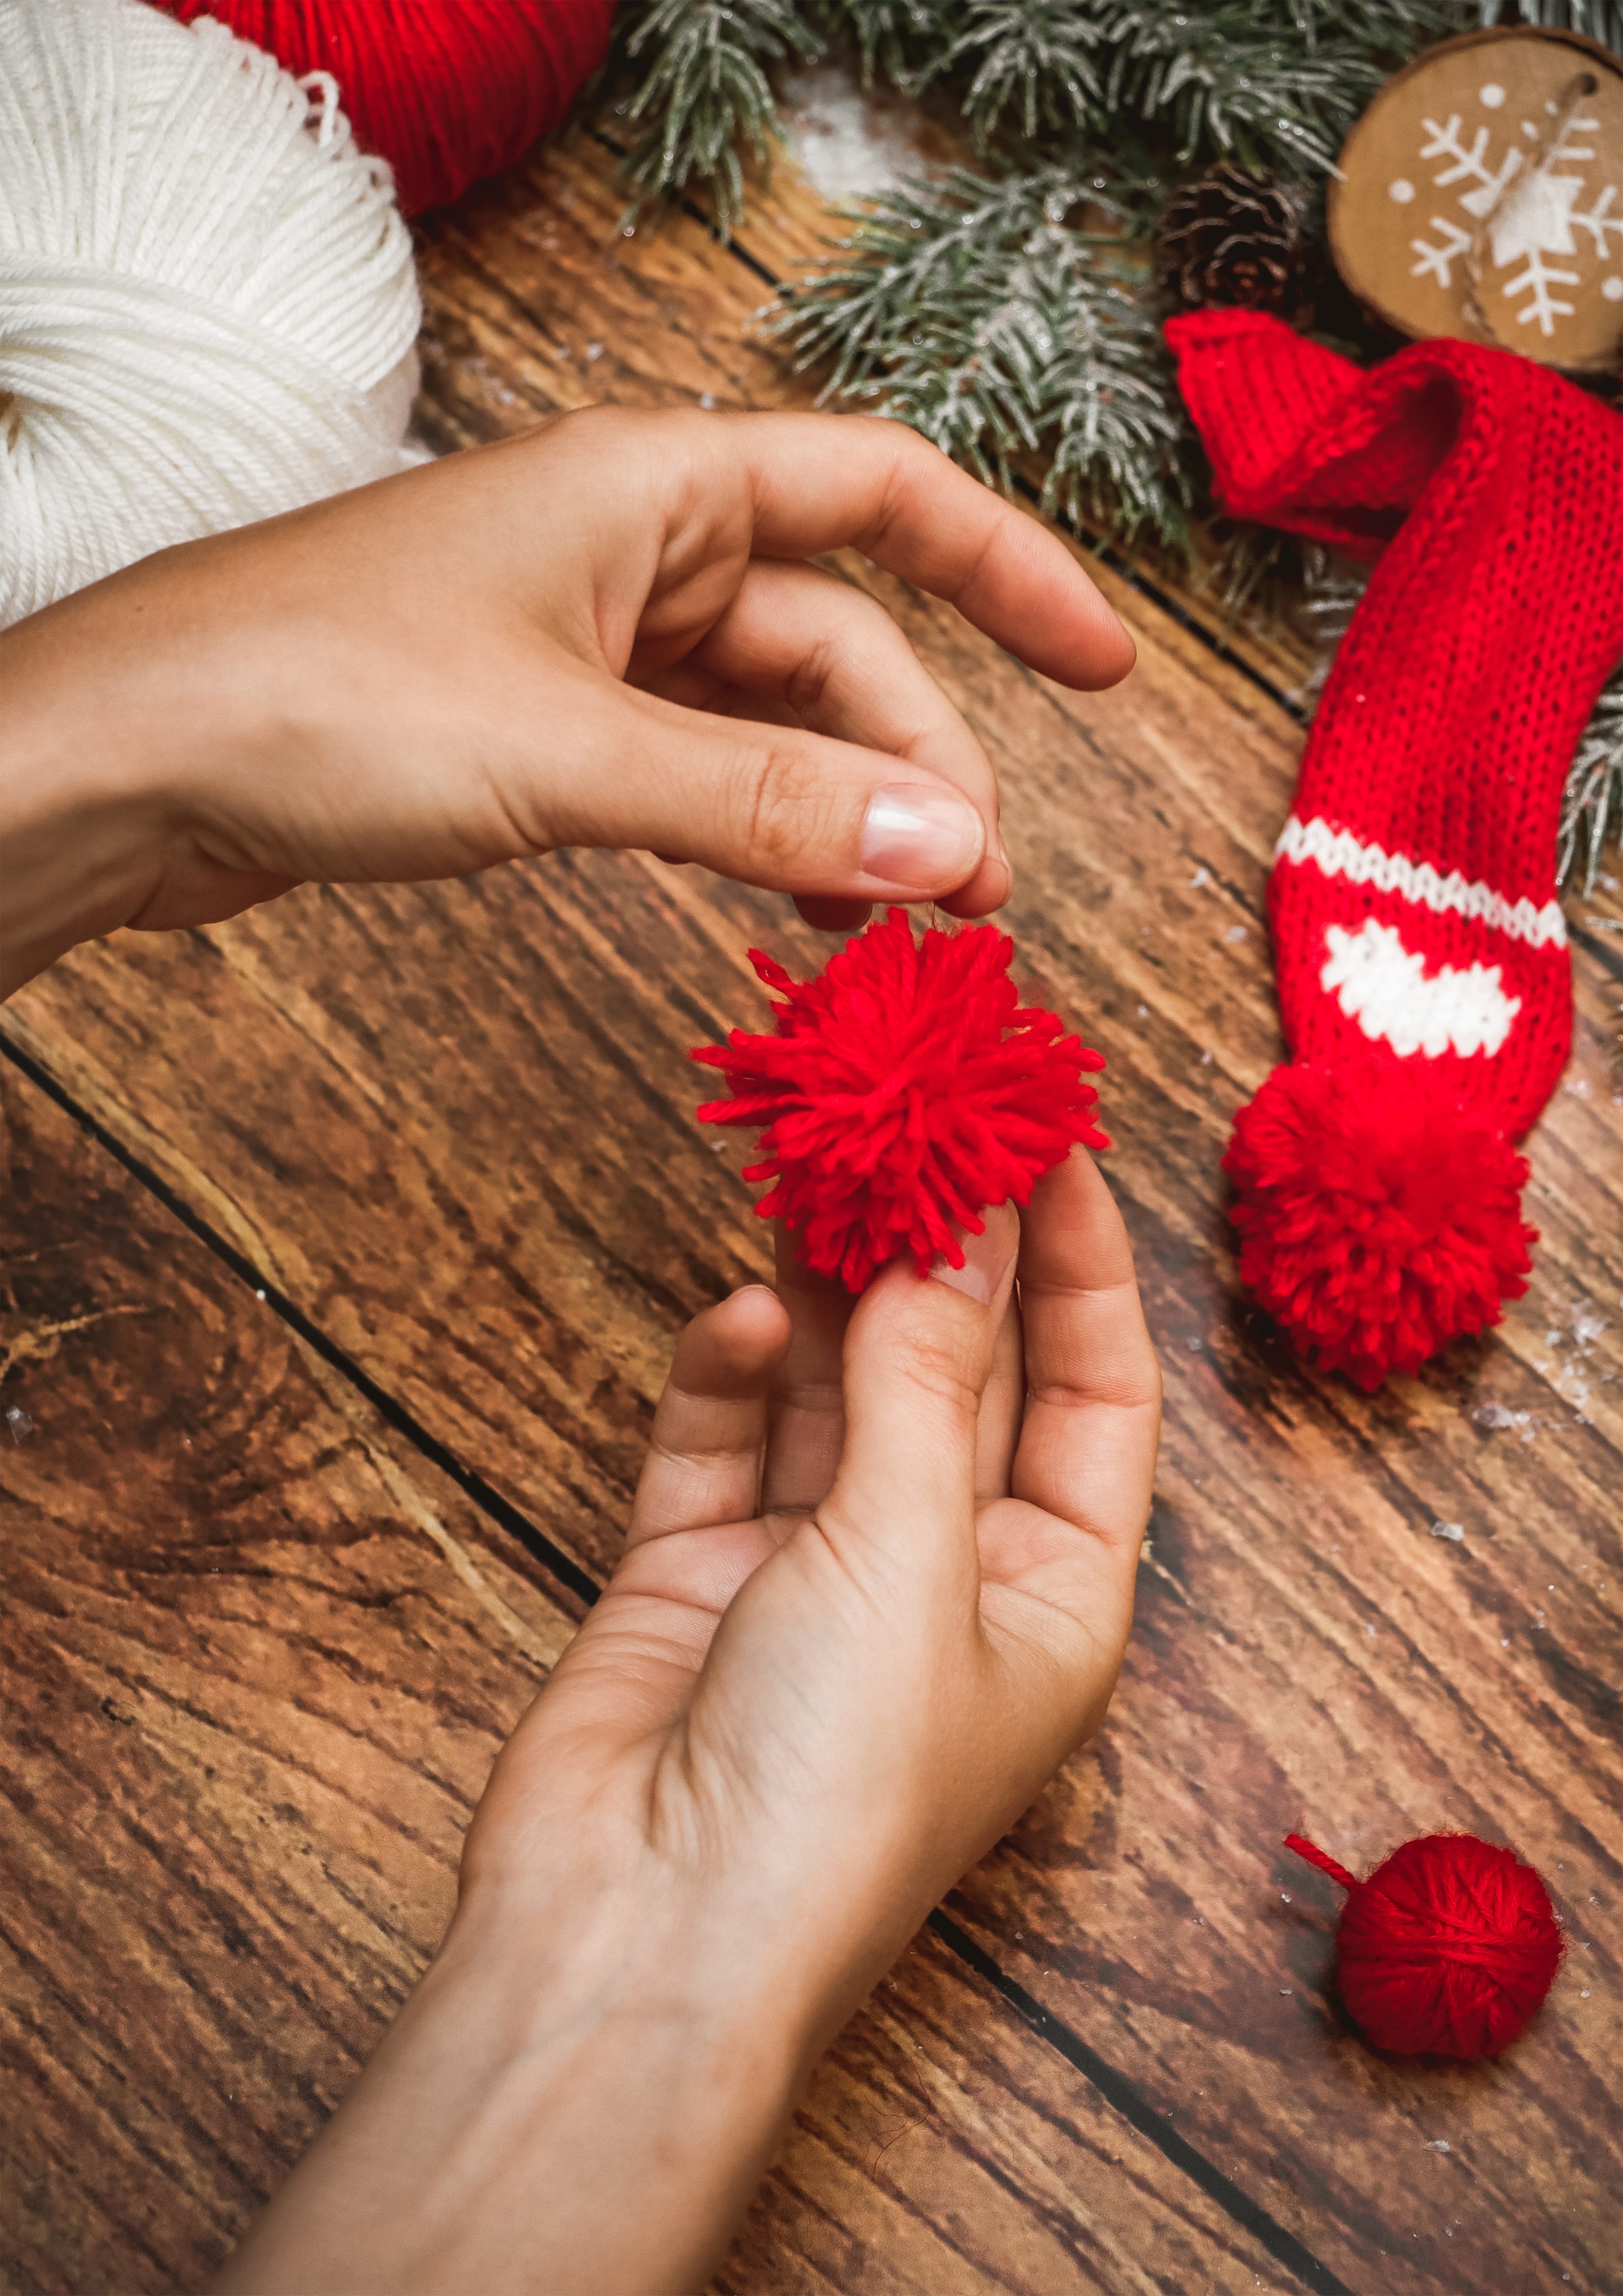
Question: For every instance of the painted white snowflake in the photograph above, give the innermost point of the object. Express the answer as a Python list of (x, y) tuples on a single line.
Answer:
[(1532, 212)]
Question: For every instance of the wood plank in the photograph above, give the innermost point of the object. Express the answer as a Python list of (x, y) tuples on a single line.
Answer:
[(249, 1707), (257, 1661), (454, 1207)]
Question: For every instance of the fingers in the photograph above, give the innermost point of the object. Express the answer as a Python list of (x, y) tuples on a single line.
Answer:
[(881, 488), (704, 1460), (808, 1410), (830, 916), (1092, 1384), (1002, 1408), (919, 1353), (797, 637), (776, 806)]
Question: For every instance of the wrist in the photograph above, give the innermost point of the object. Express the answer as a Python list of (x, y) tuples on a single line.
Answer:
[(83, 813), (74, 842), (102, 769), (578, 2096)]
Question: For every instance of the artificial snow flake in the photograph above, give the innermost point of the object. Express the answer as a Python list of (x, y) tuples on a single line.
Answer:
[(1439, 261), (1528, 212), (1489, 183)]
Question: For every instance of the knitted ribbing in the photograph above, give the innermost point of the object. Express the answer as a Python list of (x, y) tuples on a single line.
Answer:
[(207, 305), (1412, 899)]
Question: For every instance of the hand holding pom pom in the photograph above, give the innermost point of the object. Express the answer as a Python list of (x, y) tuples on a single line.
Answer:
[(904, 1090)]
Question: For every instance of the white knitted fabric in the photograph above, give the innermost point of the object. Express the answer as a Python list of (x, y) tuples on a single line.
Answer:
[(208, 303)]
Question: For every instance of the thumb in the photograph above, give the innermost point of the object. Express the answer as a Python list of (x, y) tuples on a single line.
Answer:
[(772, 805), (917, 1358)]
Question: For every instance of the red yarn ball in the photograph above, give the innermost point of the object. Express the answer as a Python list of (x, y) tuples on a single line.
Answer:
[(1447, 1949), (905, 1090), (1378, 1214), (448, 93)]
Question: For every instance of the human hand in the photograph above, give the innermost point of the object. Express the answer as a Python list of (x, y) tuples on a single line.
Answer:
[(603, 633), (877, 1586)]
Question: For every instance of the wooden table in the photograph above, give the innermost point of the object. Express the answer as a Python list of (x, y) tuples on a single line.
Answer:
[(345, 1245)]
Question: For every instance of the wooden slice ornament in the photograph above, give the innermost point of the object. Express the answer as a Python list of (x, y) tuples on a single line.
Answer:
[(1481, 195)]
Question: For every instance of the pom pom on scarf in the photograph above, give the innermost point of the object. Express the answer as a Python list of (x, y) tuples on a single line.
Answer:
[(1379, 1214)]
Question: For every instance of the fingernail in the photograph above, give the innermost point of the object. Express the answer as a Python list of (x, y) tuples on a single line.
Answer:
[(987, 1257), (919, 835)]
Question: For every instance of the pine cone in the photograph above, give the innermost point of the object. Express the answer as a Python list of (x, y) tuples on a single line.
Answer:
[(1230, 237)]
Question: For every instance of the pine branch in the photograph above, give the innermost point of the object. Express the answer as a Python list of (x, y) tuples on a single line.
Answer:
[(705, 93), (1601, 20), (1275, 96), (1039, 57), (1593, 808), (906, 40), (976, 312), (1205, 76)]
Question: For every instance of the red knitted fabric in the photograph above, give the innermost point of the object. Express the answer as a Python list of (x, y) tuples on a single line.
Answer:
[(1424, 981), (447, 91), (903, 1090)]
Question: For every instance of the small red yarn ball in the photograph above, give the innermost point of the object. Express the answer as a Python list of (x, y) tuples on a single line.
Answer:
[(1379, 1214), (447, 90), (905, 1089), (1447, 1949)]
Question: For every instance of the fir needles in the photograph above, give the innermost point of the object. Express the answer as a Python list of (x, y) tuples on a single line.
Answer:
[(988, 315)]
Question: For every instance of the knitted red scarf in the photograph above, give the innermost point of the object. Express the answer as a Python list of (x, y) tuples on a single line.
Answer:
[(1424, 980)]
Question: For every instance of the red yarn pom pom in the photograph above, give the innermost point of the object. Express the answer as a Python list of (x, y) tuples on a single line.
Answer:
[(1379, 1214), (447, 95), (1447, 1949), (905, 1090)]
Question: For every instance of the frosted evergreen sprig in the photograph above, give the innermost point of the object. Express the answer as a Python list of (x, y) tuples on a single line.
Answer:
[(1274, 95), (1004, 318), (1036, 61), (1601, 20), (1204, 78), (704, 92), (903, 40), (1591, 811)]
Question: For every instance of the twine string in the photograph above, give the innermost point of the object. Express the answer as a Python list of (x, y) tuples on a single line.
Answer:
[(1579, 89)]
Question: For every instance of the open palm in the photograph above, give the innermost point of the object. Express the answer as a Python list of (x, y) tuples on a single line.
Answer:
[(877, 1586)]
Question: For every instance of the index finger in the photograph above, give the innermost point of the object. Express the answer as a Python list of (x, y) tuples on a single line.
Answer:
[(1093, 1383), (884, 490)]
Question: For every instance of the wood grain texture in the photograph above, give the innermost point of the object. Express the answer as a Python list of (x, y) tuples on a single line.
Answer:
[(249, 1703), (452, 1124)]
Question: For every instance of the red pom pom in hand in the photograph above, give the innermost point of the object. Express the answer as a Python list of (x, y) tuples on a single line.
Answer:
[(906, 1089), (1379, 1214), (1447, 1949)]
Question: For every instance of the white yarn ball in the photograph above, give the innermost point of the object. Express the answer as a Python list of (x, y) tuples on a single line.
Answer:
[(208, 303)]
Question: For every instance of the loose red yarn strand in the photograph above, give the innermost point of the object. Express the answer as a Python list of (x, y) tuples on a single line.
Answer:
[(1321, 1858)]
